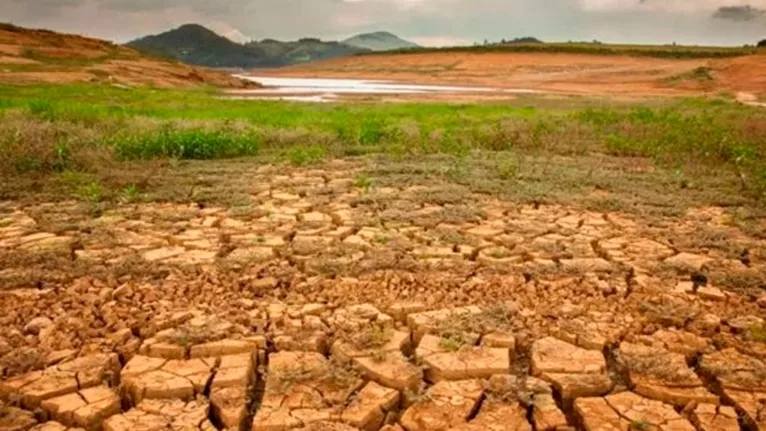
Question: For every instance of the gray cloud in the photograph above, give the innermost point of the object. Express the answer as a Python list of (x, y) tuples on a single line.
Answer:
[(647, 21), (740, 13)]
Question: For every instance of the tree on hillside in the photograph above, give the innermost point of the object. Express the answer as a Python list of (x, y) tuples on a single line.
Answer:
[(762, 44)]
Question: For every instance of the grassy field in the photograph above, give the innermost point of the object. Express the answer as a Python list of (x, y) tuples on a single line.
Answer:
[(103, 142), (666, 51)]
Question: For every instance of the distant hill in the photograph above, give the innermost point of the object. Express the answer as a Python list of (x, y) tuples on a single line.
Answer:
[(379, 41), (305, 50), (195, 44), (29, 56)]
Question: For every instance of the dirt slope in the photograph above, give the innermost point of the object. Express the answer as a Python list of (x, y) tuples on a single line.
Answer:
[(557, 73), (742, 74), (41, 56)]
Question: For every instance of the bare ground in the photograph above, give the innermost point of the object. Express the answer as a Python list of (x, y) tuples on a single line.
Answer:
[(41, 56), (621, 77), (271, 297)]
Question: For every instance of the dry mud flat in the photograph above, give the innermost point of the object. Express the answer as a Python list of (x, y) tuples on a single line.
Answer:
[(325, 306), (615, 76)]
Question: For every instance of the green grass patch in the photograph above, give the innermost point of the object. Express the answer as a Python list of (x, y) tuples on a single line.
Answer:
[(301, 156), (81, 127), (197, 144)]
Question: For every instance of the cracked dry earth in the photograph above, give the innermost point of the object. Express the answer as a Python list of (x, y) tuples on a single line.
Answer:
[(323, 306)]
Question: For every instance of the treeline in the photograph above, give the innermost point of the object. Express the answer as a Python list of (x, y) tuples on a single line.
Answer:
[(594, 48)]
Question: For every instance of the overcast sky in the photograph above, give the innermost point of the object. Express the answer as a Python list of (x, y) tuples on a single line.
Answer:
[(429, 22)]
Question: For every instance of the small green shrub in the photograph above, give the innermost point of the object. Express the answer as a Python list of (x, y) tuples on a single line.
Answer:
[(130, 194), (507, 170), (91, 192), (363, 181), (301, 156), (620, 145), (371, 132), (449, 144)]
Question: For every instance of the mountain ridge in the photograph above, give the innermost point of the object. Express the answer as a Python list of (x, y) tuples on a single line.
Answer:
[(198, 45), (379, 41)]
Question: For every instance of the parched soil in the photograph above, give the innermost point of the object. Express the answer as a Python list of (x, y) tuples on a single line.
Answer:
[(42, 56), (571, 74), (324, 302)]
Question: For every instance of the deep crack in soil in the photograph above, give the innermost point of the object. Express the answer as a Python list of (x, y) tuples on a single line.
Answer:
[(318, 307)]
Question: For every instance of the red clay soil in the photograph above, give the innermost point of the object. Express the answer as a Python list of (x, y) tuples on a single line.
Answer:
[(556, 73), (42, 56), (742, 74)]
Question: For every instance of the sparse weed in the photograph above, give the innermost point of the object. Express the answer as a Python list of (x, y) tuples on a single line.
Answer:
[(22, 360), (452, 238), (183, 340), (417, 396), (505, 390), (464, 328), (188, 334), (373, 336), (381, 239), (363, 181), (640, 425), (379, 356), (130, 194), (454, 341), (72, 179), (654, 366), (498, 254), (91, 192), (283, 380), (507, 170), (758, 333), (333, 372), (341, 374), (300, 156)]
